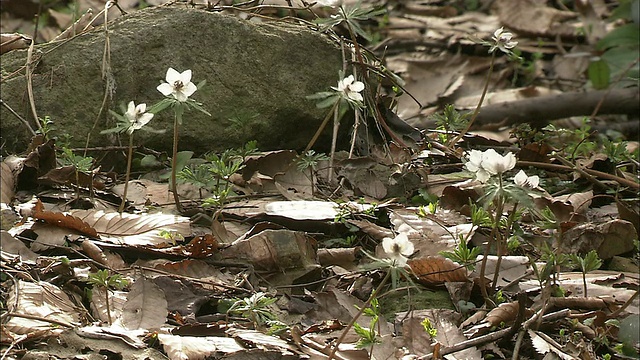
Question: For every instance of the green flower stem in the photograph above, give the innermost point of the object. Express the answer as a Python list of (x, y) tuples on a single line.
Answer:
[(174, 157), (126, 178), (502, 244), (477, 110), (334, 140), (493, 237), (355, 318)]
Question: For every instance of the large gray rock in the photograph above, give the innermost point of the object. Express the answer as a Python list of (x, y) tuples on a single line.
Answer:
[(257, 78)]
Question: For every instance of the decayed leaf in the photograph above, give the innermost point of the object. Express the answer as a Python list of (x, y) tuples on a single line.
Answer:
[(504, 313), (450, 335), (93, 251), (436, 270), (134, 229), (303, 210), (542, 346), (7, 183), (43, 300), (13, 246), (186, 347), (13, 41), (146, 306), (612, 238), (117, 300), (432, 234), (63, 220), (274, 250)]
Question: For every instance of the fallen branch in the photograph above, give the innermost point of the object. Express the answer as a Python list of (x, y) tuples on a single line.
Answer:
[(542, 109)]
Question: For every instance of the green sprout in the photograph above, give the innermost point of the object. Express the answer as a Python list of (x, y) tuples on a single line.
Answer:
[(102, 279), (428, 327), (588, 263), (254, 308)]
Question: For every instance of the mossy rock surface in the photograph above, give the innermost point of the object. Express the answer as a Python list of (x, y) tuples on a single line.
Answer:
[(257, 78)]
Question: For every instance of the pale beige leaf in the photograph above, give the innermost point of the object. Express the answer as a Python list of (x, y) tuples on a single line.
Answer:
[(146, 306), (133, 229), (542, 346), (7, 183), (186, 347), (41, 300)]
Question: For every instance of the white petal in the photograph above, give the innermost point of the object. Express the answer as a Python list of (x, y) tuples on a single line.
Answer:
[(132, 107), (509, 161), (400, 260), (357, 86), (165, 89), (498, 32), (189, 89), (180, 96), (185, 77), (355, 96), (407, 249), (482, 176), (145, 118), (534, 181), (521, 178), (173, 76), (348, 80), (141, 108), (387, 245)]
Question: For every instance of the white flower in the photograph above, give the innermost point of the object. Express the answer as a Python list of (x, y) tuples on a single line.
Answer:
[(521, 179), (178, 85), (474, 164), (502, 40), (331, 3), (495, 164), (398, 248), (350, 88), (137, 116)]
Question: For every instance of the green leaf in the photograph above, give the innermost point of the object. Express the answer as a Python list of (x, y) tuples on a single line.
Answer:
[(591, 261), (161, 105), (328, 102), (599, 74), (626, 35)]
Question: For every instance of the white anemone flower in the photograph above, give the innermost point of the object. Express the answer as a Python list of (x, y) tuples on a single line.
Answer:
[(178, 85), (137, 116), (474, 164), (502, 40), (398, 248), (521, 179), (331, 3), (350, 88), (495, 164)]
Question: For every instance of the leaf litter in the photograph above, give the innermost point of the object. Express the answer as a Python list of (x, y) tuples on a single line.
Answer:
[(181, 280)]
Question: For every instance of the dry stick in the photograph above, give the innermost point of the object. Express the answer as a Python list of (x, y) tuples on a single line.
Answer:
[(322, 126), (596, 173), (453, 141), (32, 103), (624, 306), (22, 120), (360, 312), (40, 318), (106, 70)]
